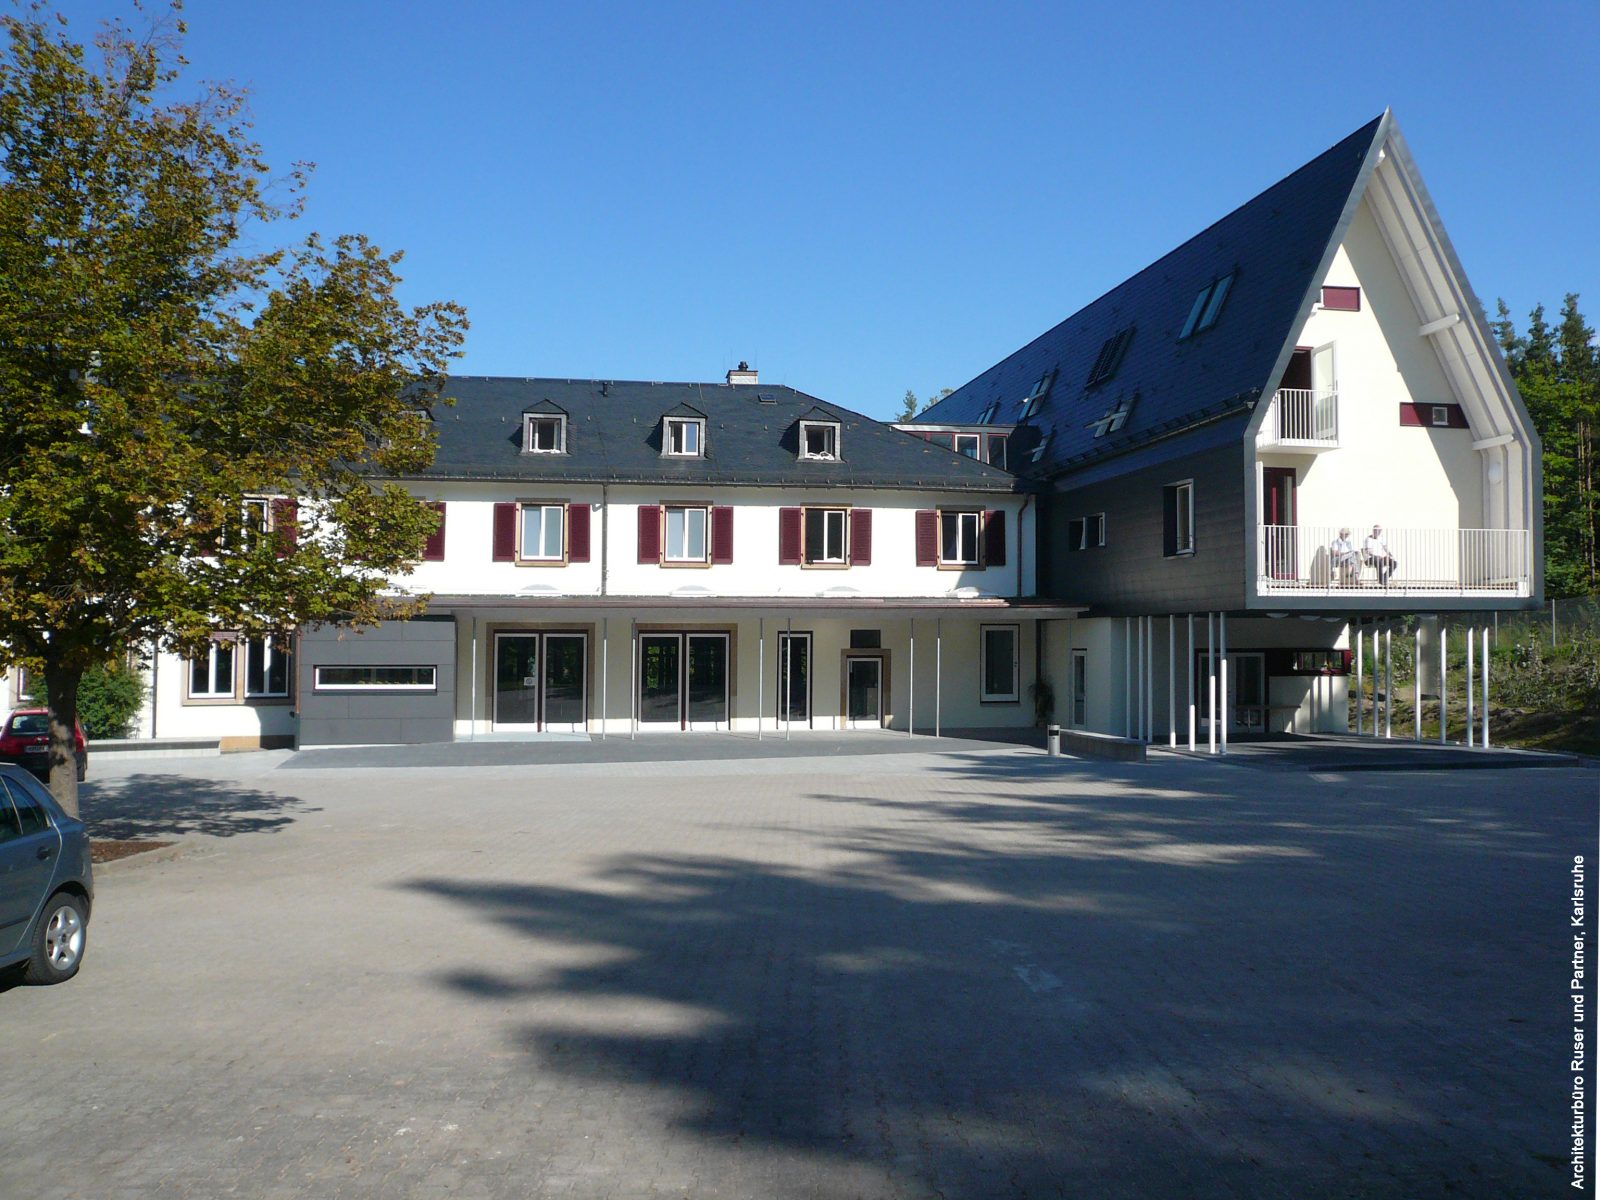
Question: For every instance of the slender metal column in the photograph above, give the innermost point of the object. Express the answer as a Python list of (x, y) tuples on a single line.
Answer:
[(1444, 642), (1361, 691), (1188, 671), (788, 670), (1149, 679), (1222, 629), (1138, 714), (1127, 677), (472, 701), (1485, 738), (633, 682), (1416, 681), (1211, 683), (911, 679), (1388, 683), (938, 672), (1472, 635), (761, 672), (1172, 681), (605, 674)]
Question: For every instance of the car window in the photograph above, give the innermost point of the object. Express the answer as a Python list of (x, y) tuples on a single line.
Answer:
[(10, 828), (26, 724), (31, 815)]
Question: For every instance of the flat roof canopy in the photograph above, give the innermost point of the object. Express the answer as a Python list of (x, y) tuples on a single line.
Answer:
[(778, 606)]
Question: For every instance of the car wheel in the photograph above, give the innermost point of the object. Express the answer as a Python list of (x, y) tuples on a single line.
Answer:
[(58, 940)]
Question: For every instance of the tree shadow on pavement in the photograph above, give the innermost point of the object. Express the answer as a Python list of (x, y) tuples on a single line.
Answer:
[(155, 805), (1026, 995)]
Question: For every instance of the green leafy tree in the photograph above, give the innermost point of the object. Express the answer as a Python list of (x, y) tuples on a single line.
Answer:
[(911, 406), (158, 368)]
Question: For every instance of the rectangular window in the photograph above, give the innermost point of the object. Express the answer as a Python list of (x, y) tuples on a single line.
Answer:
[(1207, 307), (958, 538), (999, 667), (547, 435), (820, 440), (825, 537), (542, 528), (257, 520), (1110, 357), (385, 679), (1079, 716), (1440, 414), (266, 668), (211, 674), (1178, 519), (968, 444), (685, 437), (1086, 533), (997, 450), (794, 678), (686, 534)]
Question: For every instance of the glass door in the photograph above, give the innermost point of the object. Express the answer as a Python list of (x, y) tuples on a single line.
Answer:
[(516, 681), (707, 684), (661, 680), (864, 693), (794, 679), (1247, 681), (564, 679)]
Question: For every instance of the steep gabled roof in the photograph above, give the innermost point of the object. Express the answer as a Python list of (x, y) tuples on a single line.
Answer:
[(614, 436), (1275, 247)]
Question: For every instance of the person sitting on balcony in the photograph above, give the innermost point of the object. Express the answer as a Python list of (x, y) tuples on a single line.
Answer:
[(1378, 556), (1346, 561)]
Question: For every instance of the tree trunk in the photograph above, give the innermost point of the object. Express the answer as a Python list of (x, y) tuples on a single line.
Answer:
[(61, 687)]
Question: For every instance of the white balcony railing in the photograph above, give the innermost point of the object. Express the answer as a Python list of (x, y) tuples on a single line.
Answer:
[(1302, 417), (1301, 560)]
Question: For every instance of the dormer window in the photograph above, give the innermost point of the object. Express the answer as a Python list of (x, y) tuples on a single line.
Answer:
[(684, 437), (819, 440), (544, 434)]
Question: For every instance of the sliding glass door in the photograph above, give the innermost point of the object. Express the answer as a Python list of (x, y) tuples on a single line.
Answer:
[(683, 681), (540, 682)]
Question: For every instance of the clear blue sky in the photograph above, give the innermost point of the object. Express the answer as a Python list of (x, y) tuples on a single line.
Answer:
[(865, 198)]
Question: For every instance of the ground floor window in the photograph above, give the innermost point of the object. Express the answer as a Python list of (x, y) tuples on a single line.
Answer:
[(1080, 689), (211, 673), (683, 680), (999, 666), (375, 678), (266, 673)]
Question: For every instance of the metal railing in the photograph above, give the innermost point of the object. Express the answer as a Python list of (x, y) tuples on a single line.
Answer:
[(1305, 558), (1302, 417)]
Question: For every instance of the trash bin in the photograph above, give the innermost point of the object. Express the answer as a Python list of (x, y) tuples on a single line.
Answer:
[(1053, 741)]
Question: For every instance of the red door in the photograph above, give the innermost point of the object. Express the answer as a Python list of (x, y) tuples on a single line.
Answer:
[(1278, 511)]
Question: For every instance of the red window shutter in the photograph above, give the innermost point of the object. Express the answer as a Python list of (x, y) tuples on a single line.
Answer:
[(578, 533), (505, 533), (994, 538), (433, 548), (649, 533), (1342, 299), (789, 536), (861, 537), (927, 538), (286, 526), (722, 534)]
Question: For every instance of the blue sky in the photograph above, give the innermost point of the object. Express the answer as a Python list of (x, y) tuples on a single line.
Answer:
[(861, 199)]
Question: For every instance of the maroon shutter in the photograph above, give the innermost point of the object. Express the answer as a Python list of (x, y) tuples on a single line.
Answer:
[(433, 548), (861, 537), (722, 534), (788, 536), (649, 533), (994, 538), (927, 538), (1342, 299), (577, 533), (505, 533), (286, 526)]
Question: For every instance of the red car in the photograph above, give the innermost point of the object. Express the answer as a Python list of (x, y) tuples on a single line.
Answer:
[(26, 742)]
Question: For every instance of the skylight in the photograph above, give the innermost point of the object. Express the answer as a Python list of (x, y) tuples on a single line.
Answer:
[(1207, 306), (1041, 389), (1044, 444), (1110, 356), (1116, 417)]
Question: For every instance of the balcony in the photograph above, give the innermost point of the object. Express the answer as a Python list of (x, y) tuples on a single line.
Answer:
[(1302, 419), (1298, 560)]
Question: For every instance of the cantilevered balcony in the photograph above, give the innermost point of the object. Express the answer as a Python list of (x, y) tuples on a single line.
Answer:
[(1301, 560), (1302, 419)]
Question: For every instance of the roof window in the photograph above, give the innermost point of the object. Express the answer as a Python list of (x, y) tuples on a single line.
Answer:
[(1041, 389), (1115, 418), (1207, 306), (1110, 356), (1044, 444)]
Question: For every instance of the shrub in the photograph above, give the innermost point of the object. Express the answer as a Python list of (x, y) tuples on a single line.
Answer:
[(109, 697)]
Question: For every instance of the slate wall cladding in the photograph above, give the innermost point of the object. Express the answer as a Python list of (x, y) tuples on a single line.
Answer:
[(1129, 575), (377, 718)]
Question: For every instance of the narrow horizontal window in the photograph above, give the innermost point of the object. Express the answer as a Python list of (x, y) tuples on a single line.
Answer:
[(375, 678), (1342, 299)]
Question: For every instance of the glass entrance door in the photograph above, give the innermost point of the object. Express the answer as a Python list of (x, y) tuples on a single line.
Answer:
[(563, 681), (864, 693), (516, 681), (707, 682), (661, 680)]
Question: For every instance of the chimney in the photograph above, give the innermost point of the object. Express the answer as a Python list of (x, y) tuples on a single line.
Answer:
[(742, 374)]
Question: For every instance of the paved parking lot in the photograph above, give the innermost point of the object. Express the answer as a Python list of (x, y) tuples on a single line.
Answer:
[(973, 974)]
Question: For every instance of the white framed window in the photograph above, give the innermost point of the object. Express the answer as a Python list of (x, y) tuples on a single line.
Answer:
[(211, 673), (1440, 415), (1041, 389), (1115, 417), (958, 538), (1178, 518), (375, 679), (819, 440), (968, 444), (1207, 306), (1086, 533), (541, 536), (266, 668), (997, 450), (1078, 714), (684, 437), (545, 434), (999, 667), (826, 540), (685, 534)]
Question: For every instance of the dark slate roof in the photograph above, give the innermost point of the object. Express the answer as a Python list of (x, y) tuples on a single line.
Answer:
[(752, 438), (1278, 245)]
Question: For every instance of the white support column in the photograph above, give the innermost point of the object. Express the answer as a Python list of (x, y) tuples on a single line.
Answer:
[(1472, 635), (1188, 671), (1485, 738), (1388, 684), (1149, 679), (1416, 680), (1444, 642), (1172, 681), (1138, 716), (788, 671), (1211, 682), (472, 700), (911, 679), (1127, 677), (761, 672), (1222, 715), (633, 681), (605, 675), (1361, 691), (938, 673)]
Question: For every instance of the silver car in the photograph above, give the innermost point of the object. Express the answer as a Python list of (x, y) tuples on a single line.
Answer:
[(46, 882)]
